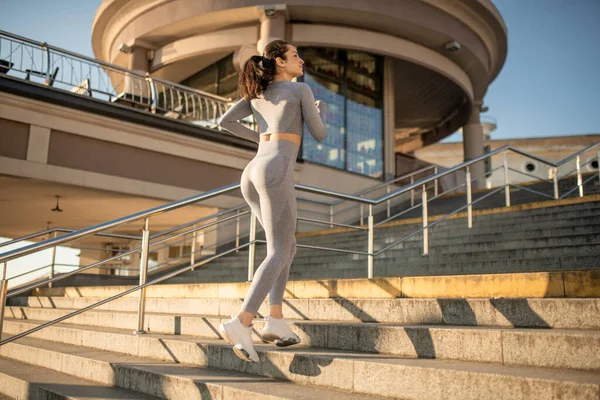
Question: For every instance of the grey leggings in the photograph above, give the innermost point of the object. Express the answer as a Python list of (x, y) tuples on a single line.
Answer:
[(267, 185)]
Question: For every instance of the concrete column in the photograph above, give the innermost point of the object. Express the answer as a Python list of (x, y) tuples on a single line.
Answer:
[(138, 59), (39, 143), (473, 145), (389, 119), (271, 28), (138, 62)]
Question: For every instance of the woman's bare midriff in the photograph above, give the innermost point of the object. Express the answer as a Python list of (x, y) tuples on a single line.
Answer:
[(281, 136)]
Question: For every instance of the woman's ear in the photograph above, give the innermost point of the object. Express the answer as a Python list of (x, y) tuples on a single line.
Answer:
[(280, 62)]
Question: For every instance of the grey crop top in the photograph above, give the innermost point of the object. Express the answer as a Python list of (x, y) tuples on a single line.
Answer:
[(281, 108)]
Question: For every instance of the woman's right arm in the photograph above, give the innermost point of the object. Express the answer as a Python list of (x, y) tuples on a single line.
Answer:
[(230, 121), (316, 119)]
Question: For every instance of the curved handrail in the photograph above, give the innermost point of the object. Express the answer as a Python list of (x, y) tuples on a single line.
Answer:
[(111, 66)]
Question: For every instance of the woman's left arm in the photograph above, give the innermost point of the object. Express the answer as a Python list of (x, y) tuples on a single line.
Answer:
[(230, 121)]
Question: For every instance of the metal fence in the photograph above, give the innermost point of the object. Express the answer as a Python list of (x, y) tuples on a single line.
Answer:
[(61, 69)]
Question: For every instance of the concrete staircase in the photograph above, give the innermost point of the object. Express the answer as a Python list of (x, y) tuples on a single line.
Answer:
[(508, 336), (542, 236), (509, 309)]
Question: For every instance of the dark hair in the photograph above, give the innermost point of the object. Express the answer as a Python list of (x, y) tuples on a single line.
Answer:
[(259, 71)]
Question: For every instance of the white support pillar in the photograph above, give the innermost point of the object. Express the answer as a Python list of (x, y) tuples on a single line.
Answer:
[(272, 25), (473, 145), (138, 62), (39, 143)]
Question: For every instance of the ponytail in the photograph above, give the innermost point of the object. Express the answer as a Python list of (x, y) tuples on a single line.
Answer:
[(259, 71)]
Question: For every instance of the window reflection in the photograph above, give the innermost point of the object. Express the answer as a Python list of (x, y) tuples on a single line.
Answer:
[(350, 83), (330, 151)]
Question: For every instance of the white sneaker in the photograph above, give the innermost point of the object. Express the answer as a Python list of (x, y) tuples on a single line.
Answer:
[(278, 331), (235, 333)]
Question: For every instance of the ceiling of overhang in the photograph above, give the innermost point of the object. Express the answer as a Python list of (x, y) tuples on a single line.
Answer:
[(423, 97)]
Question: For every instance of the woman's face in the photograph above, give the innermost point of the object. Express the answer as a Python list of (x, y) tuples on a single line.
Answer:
[(292, 66)]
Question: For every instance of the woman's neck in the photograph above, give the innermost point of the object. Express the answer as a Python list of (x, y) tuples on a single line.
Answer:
[(279, 78)]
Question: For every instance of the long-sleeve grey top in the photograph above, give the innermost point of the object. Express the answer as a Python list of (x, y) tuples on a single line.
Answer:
[(281, 108)]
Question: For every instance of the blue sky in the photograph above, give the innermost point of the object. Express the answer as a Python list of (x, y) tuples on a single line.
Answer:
[(548, 86)]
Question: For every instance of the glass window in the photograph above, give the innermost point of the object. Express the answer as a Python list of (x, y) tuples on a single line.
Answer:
[(174, 252), (220, 78), (205, 80), (330, 151), (350, 82)]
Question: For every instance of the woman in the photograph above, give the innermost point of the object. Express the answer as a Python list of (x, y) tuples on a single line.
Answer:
[(280, 106)]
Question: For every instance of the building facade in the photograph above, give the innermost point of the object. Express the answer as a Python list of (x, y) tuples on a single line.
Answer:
[(398, 75)]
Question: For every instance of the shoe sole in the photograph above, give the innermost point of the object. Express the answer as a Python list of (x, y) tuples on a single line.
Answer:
[(271, 337), (240, 352)]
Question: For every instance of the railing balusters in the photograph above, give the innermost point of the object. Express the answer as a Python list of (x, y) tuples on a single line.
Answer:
[(371, 239), (579, 178), (143, 276), (252, 249), (425, 222), (469, 198)]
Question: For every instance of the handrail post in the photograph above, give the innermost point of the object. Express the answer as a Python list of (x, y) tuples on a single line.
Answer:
[(48, 65), (361, 214), (143, 276), (598, 161), (412, 192), (555, 179), (252, 249), (370, 244), (51, 274), (469, 197), (579, 179), (237, 231), (425, 222), (193, 253), (152, 92), (389, 202), (3, 290), (331, 215), (506, 180), (435, 182)]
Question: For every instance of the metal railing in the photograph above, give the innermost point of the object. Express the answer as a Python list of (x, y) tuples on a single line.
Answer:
[(38, 61), (370, 228), (193, 253)]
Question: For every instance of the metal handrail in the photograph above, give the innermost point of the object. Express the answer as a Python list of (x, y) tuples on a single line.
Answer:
[(370, 253), (108, 65), (225, 189), (111, 83), (53, 230), (128, 252)]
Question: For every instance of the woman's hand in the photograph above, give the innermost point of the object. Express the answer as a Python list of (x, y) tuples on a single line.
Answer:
[(318, 104)]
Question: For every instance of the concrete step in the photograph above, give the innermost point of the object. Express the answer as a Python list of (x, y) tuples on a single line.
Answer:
[(466, 235), (460, 235), (569, 256), (459, 226), (499, 215), (397, 267), (29, 382), (579, 243), (581, 283), (574, 348), (438, 256), (310, 369), (582, 313), (169, 379)]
